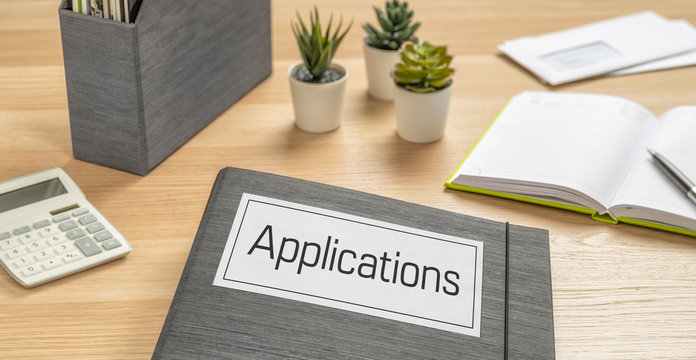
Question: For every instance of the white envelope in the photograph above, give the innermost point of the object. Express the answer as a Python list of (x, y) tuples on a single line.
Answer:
[(674, 61), (601, 47)]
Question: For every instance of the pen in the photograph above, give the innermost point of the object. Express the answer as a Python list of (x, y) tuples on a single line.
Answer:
[(678, 177)]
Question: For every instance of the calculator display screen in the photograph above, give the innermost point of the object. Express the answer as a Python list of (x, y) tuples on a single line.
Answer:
[(31, 194)]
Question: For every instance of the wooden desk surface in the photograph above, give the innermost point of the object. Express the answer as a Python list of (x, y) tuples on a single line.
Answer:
[(620, 292)]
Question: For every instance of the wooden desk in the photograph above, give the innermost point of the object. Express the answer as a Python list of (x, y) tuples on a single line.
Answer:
[(620, 292)]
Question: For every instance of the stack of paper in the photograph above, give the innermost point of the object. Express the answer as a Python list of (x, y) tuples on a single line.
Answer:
[(634, 43)]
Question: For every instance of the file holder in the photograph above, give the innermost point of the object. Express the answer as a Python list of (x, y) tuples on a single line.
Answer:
[(138, 91)]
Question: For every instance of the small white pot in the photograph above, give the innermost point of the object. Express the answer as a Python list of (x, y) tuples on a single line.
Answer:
[(421, 118), (318, 107), (379, 64)]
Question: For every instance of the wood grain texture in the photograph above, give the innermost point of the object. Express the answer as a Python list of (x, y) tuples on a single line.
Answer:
[(620, 292)]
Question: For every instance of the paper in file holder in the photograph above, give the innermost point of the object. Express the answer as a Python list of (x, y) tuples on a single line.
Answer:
[(211, 321), (138, 91)]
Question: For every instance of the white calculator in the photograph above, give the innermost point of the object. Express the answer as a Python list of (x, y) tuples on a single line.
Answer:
[(49, 230)]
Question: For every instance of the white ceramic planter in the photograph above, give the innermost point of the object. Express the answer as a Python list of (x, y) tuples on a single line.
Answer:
[(378, 64), (318, 107), (421, 118)]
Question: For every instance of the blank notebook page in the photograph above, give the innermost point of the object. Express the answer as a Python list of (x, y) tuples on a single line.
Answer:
[(580, 141), (647, 185)]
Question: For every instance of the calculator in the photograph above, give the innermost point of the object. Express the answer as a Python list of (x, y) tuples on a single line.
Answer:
[(49, 230)]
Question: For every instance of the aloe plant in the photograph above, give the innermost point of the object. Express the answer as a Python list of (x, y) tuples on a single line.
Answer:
[(317, 48), (395, 23), (423, 68)]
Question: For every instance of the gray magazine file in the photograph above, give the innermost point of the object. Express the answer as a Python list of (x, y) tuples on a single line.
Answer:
[(138, 91), (212, 322)]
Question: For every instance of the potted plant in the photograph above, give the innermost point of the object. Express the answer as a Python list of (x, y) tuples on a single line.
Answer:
[(381, 46), (423, 88), (317, 85)]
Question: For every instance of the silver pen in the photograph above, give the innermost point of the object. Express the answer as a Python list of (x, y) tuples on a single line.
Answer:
[(678, 177)]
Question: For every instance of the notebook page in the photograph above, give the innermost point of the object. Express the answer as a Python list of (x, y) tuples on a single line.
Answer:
[(579, 141), (648, 187)]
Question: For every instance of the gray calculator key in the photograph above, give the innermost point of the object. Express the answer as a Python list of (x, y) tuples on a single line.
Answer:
[(41, 224), (4, 235), (111, 244), (68, 225), (87, 246), (103, 236), (95, 228), (61, 217), (80, 211), (22, 230), (87, 219), (75, 234)]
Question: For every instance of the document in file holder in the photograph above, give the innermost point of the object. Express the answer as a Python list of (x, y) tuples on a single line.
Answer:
[(601, 47)]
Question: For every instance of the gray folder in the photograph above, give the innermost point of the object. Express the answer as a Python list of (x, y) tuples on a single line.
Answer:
[(212, 322)]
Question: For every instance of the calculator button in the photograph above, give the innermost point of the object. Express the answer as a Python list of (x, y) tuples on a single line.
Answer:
[(36, 246), (68, 225), (40, 224), (79, 212), (61, 217), (24, 261), (87, 219), (75, 234), (71, 257), (5, 235), (88, 246), (51, 264), (28, 237), (31, 270), (94, 228), (42, 255), (47, 231), (8, 244), (57, 239), (63, 248), (16, 252), (111, 244), (21, 230), (104, 235)]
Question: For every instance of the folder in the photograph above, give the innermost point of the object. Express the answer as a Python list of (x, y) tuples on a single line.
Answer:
[(138, 91), (211, 321)]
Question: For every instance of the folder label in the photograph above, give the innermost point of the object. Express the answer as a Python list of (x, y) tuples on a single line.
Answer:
[(353, 263)]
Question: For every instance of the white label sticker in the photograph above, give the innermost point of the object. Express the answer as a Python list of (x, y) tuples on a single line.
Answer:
[(353, 263)]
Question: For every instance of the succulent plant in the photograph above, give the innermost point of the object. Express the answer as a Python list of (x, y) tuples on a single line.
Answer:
[(423, 68), (318, 49), (395, 22)]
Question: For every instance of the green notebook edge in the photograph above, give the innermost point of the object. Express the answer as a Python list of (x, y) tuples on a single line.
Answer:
[(593, 213)]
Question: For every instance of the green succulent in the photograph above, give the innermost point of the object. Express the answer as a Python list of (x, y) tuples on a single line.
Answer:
[(318, 49), (395, 22), (423, 68)]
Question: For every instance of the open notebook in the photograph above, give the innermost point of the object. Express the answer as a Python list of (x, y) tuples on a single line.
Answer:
[(586, 153)]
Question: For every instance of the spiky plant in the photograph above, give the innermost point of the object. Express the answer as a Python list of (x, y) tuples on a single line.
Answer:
[(423, 68), (318, 49), (396, 26)]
